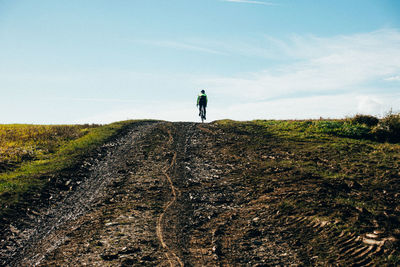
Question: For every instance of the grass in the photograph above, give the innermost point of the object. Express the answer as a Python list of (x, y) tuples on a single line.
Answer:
[(31, 152), (21, 143), (320, 149), (365, 127)]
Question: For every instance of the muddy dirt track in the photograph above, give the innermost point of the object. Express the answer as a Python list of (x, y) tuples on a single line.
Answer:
[(168, 194)]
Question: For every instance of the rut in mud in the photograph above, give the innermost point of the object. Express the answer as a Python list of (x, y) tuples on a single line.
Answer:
[(176, 194)]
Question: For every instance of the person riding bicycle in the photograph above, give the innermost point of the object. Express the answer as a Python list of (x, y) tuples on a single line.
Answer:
[(202, 103)]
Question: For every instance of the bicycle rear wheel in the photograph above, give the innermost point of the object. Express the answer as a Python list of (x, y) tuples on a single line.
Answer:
[(202, 114)]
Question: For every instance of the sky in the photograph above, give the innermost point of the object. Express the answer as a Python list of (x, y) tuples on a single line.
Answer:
[(100, 61)]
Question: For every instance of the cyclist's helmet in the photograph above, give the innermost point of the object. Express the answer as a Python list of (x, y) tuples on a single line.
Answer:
[(203, 92)]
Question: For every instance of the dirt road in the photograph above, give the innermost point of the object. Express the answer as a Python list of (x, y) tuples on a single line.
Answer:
[(163, 194)]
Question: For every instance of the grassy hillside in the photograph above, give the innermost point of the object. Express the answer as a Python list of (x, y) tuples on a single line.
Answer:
[(327, 182), (30, 152), (329, 187)]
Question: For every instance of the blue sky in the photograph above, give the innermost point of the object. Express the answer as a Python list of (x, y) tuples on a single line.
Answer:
[(98, 61)]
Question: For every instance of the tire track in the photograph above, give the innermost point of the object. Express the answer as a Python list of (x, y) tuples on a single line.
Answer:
[(171, 256)]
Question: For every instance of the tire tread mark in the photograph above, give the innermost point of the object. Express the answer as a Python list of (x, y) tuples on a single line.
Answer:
[(171, 256)]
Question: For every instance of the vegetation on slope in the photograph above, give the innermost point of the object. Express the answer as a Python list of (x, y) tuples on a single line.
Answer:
[(31, 152), (21, 143)]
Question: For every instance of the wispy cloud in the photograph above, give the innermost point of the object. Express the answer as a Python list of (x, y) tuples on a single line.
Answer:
[(308, 107), (187, 46), (343, 63), (180, 46), (320, 76), (250, 2), (327, 76), (393, 78)]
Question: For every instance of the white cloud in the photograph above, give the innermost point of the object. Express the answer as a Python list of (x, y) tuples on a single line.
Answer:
[(250, 2), (393, 78), (294, 108), (370, 105), (353, 63)]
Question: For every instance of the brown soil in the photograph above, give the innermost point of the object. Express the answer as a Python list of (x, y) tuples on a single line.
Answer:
[(176, 194)]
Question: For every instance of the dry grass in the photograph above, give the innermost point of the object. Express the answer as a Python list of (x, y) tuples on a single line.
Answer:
[(21, 143), (31, 152)]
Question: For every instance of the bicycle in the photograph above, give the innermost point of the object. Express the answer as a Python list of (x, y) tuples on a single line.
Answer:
[(202, 104), (202, 113)]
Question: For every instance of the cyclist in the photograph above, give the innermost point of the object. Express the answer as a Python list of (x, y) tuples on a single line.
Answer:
[(202, 103)]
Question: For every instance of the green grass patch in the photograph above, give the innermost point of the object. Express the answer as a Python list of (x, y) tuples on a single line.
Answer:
[(366, 127)]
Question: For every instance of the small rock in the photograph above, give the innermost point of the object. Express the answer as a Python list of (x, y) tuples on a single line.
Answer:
[(254, 233), (373, 241), (257, 243), (148, 258), (371, 236), (109, 257), (14, 230), (126, 251)]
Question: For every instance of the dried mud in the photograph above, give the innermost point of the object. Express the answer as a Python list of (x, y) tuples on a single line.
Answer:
[(176, 194)]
